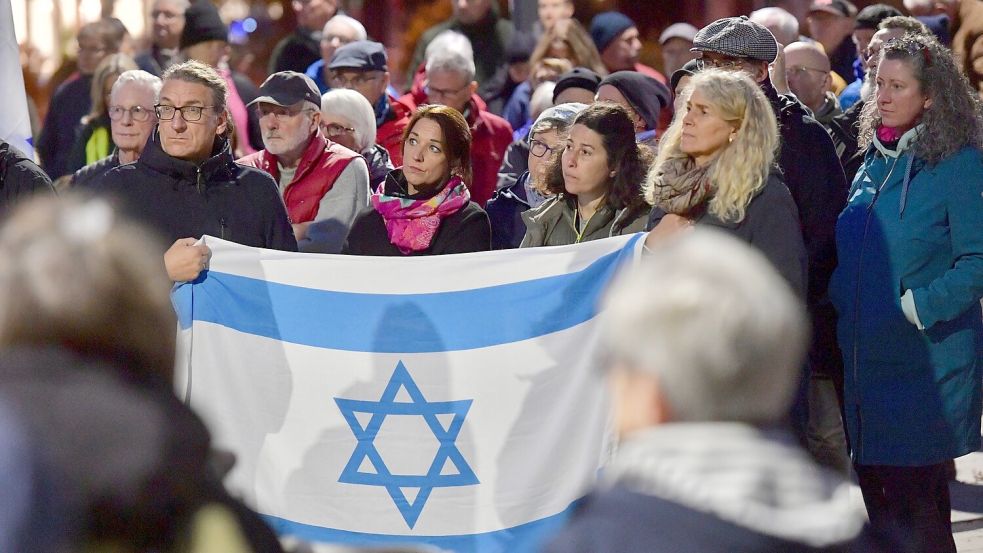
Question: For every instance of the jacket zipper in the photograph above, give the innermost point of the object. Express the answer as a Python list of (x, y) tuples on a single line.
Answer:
[(198, 179), (222, 228)]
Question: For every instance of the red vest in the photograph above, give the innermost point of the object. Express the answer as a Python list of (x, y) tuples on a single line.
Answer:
[(390, 134), (319, 167)]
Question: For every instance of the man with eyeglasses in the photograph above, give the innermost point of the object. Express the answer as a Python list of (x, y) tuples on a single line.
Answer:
[(132, 119), (811, 169), (363, 66), (323, 184), (186, 182), (807, 71), (450, 81), (338, 31), (166, 24)]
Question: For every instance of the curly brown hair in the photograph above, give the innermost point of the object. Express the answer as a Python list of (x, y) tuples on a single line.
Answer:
[(612, 122), (955, 117)]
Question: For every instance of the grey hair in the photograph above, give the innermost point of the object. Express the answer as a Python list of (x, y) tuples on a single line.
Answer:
[(140, 77), (355, 24), (711, 320), (194, 71), (451, 61), (786, 23), (351, 105), (955, 118), (452, 41)]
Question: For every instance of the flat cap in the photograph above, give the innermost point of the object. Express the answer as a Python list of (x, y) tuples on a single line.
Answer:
[(361, 54), (738, 37)]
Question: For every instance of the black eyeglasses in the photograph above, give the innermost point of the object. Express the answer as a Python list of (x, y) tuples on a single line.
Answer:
[(137, 113), (727, 64), (188, 113), (540, 149)]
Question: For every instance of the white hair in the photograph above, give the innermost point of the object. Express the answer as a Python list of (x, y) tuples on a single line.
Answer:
[(777, 19), (541, 100), (140, 77), (451, 61), (355, 24), (710, 319), (449, 41), (351, 105)]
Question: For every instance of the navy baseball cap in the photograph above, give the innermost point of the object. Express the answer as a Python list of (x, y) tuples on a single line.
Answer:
[(286, 88)]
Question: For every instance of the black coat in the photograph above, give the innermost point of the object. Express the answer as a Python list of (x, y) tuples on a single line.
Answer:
[(465, 231), (70, 102), (179, 199), (621, 521), (19, 177), (770, 224), (93, 172)]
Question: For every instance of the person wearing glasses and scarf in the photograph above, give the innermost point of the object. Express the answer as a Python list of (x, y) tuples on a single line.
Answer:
[(545, 140), (424, 207), (186, 182), (908, 286), (132, 120)]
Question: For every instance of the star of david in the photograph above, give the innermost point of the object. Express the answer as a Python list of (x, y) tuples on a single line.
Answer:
[(448, 469)]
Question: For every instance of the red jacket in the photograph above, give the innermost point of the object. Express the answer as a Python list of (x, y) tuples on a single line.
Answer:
[(390, 134), (317, 171), (490, 136)]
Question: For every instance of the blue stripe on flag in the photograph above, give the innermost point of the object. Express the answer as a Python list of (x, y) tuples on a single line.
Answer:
[(400, 323), (525, 538)]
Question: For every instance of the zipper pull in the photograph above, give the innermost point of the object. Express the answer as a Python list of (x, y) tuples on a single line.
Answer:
[(222, 228), (199, 183)]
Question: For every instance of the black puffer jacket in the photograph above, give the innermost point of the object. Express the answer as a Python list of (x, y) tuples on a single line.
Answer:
[(93, 172), (19, 177), (179, 199)]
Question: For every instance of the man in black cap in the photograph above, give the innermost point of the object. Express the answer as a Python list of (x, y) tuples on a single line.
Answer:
[(577, 86), (644, 97), (831, 23), (363, 66), (301, 48), (323, 184), (205, 38), (809, 165)]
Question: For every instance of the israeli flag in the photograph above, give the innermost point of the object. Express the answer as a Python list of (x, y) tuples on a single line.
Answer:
[(451, 400), (15, 121)]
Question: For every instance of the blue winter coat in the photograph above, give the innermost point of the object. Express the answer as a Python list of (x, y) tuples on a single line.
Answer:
[(912, 397)]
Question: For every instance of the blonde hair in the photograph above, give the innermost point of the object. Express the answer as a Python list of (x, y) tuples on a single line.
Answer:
[(112, 65), (581, 47), (76, 275), (740, 170)]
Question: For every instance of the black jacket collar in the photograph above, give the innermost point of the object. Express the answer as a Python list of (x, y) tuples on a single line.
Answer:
[(220, 167)]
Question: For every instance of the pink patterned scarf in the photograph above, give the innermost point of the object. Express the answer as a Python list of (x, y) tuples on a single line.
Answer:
[(412, 224)]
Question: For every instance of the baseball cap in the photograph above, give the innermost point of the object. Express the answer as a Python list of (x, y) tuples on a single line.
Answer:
[(286, 88), (678, 30), (842, 8), (361, 54), (738, 37)]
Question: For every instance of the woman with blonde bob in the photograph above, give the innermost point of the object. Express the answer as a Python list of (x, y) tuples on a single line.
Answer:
[(716, 166)]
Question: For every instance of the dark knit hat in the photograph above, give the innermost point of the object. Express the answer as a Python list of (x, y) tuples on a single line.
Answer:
[(738, 37), (201, 24), (645, 94), (871, 16), (578, 77), (607, 26)]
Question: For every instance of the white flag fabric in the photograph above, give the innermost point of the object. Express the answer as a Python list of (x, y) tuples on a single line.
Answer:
[(450, 400), (15, 121)]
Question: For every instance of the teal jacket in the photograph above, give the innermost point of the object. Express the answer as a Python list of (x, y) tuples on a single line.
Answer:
[(912, 397)]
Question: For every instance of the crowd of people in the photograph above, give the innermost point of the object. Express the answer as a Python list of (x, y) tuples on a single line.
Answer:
[(845, 305)]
